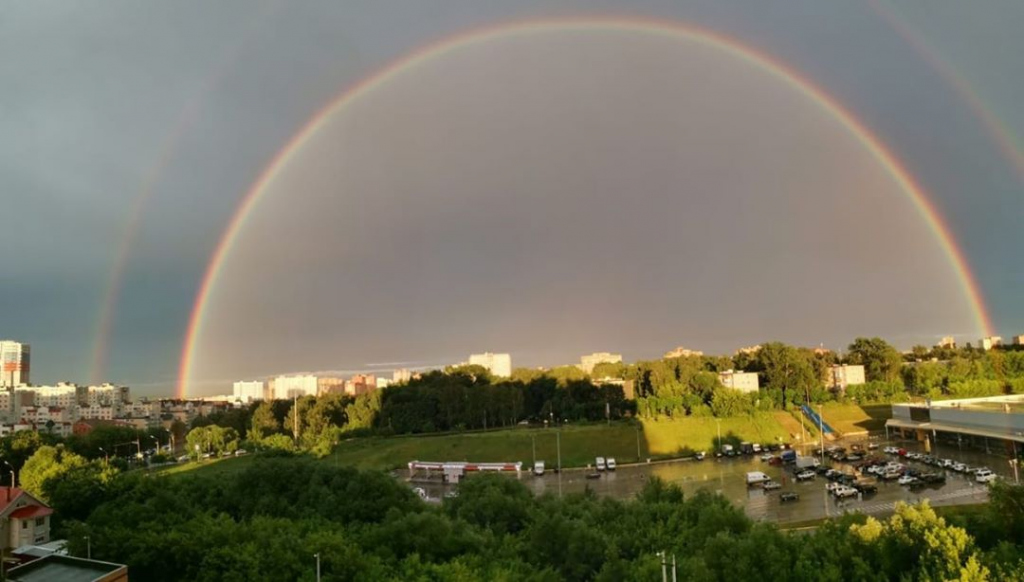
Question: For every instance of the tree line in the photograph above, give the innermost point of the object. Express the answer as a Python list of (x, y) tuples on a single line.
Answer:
[(266, 522)]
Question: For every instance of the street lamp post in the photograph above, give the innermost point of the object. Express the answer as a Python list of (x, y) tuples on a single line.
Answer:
[(637, 427), (821, 431), (88, 547), (9, 466), (718, 421), (558, 447), (533, 442), (317, 556)]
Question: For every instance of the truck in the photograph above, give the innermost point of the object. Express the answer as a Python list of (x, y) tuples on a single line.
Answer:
[(806, 462), (728, 451), (757, 477), (788, 456), (747, 448)]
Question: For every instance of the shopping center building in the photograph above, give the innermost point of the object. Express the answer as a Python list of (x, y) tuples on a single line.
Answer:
[(994, 424)]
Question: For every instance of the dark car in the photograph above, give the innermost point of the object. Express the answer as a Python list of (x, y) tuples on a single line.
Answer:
[(866, 488), (932, 478), (788, 496)]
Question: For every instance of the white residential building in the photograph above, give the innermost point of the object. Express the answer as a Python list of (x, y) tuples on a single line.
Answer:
[(247, 391), (987, 343), (63, 394), (401, 376), (681, 352), (499, 365), (588, 362), (288, 387), (839, 377), (739, 380), (108, 395), (15, 363), (97, 412)]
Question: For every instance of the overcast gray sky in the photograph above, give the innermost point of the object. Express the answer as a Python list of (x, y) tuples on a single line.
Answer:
[(545, 196)]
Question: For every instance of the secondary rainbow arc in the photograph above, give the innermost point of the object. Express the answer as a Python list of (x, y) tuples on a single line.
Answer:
[(765, 62)]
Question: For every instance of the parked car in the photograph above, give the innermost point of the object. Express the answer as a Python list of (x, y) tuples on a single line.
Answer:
[(805, 475), (844, 491), (866, 488), (420, 491), (906, 480), (872, 446), (767, 457), (538, 468), (771, 485), (700, 455), (932, 478), (599, 463), (788, 496), (984, 476), (241, 452), (610, 463)]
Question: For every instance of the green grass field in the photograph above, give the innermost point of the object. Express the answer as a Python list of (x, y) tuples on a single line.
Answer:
[(579, 444), (854, 418)]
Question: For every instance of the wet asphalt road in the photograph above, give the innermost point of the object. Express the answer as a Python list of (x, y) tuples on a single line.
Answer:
[(727, 477)]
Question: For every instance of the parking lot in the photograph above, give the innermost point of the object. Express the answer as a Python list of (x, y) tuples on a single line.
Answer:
[(727, 477)]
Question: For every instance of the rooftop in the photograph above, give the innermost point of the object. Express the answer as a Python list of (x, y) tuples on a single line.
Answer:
[(1008, 403), (55, 568)]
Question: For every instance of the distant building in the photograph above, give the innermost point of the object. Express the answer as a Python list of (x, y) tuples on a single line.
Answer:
[(1018, 340), (682, 352), (108, 395), (383, 382), (401, 376), (588, 362), (63, 394), (15, 363), (739, 380), (947, 342), (987, 343), (360, 384), (749, 350), (248, 391), (329, 384), (499, 365), (839, 377), (288, 387)]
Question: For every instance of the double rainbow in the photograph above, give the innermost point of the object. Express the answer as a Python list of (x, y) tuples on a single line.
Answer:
[(779, 70)]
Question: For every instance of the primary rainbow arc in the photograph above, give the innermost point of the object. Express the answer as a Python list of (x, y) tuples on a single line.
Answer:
[(766, 63)]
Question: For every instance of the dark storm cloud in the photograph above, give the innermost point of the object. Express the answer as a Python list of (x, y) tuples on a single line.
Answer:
[(91, 93)]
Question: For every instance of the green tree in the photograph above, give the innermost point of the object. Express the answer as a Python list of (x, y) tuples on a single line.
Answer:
[(48, 464), (264, 423), (881, 361)]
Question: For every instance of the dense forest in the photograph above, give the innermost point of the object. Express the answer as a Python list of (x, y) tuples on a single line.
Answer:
[(267, 522)]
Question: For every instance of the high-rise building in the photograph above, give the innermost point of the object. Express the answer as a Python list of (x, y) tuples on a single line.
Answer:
[(947, 342), (401, 376), (499, 365), (288, 387), (1018, 340), (61, 395), (987, 343), (361, 384), (247, 391), (329, 384), (588, 362), (15, 363)]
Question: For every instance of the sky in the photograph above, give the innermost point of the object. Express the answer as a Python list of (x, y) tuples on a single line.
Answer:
[(548, 194)]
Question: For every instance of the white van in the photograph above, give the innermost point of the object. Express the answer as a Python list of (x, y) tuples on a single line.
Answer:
[(755, 477), (610, 463), (538, 468), (599, 463), (984, 476)]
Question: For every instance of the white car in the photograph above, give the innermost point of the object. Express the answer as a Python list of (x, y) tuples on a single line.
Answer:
[(984, 476), (538, 468), (610, 463), (959, 467), (771, 485), (804, 475), (905, 480), (844, 491), (420, 491), (599, 463), (891, 450)]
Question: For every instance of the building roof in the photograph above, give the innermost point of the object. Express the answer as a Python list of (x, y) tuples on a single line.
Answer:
[(8, 495), (30, 511), (55, 568)]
